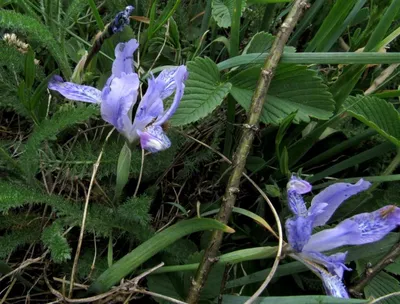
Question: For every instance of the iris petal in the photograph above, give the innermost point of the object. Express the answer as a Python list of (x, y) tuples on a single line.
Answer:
[(360, 229), (123, 62), (117, 101), (298, 231), (334, 196), (74, 91), (299, 185), (150, 107), (333, 285), (178, 84), (153, 139), (334, 263), (296, 203)]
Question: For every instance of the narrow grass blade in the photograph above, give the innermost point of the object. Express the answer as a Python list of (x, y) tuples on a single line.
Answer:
[(234, 257), (145, 251), (314, 58), (354, 160)]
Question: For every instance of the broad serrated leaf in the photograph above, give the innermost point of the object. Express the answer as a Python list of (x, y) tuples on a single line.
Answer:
[(204, 92), (381, 285), (52, 238), (377, 114), (394, 267), (262, 43), (222, 11), (293, 88), (167, 285)]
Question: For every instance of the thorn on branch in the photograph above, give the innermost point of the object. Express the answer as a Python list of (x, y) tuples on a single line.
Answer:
[(233, 190), (251, 127)]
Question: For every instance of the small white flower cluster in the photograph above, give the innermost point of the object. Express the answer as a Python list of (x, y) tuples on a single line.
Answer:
[(12, 40)]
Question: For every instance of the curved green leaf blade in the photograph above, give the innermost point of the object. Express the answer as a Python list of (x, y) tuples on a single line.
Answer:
[(145, 251), (293, 88), (261, 43), (234, 257), (377, 114), (204, 91)]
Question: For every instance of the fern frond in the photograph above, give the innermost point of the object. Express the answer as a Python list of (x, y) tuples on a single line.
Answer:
[(53, 239), (11, 58), (34, 30), (17, 238), (135, 209), (48, 129)]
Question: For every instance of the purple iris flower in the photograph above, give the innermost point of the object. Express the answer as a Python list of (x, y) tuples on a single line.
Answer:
[(120, 93), (357, 230)]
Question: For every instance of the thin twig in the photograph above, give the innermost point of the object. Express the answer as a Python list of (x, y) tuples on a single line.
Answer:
[(129, 286), (85, 211), (24, 265), (275, 213), (381, 78), (162, 47), (9, 288), (156, 295), (370, 273), (140, 174), (262, 193), (243, 149)]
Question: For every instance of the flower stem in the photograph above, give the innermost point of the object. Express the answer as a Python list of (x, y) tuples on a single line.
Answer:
[(239, 160)]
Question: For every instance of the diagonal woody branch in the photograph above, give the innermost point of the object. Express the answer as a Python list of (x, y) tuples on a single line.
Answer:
[(242, 151)]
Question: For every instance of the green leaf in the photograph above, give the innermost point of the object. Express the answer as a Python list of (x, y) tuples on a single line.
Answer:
[(36, 31), (394, 267), (146, 250), (258, 219), (381, 285), (336, 17), (377, 114), (234, 257), (204, 91), (168, 11), (40, 108), (281, 152), (293, 88), (314, 58), (229, 299), (261, 43), (222, 11), (53, 239), (123, 167), (352, 161), (166, 285), (30, 68)]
